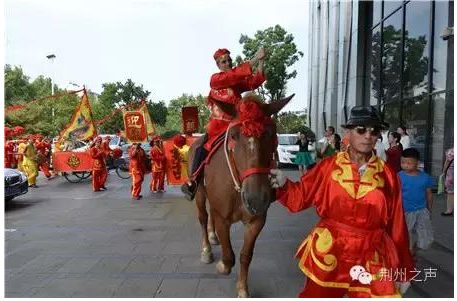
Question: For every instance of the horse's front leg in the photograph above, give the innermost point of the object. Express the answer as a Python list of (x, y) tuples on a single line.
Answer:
[(223, 232), (251, 232), (200, 200)]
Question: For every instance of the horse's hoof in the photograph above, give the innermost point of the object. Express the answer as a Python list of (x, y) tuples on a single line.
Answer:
[(213, 239), (222, 268), (242, 293), (207, 257)]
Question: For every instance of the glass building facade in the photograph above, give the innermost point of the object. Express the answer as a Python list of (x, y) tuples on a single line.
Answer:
[(394, 55)]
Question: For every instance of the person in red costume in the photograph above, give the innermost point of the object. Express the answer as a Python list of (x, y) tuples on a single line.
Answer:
[(158, 166), (226, 86), (43, 149), (362, 235), (98, 165), (137, 169), (9, 154)]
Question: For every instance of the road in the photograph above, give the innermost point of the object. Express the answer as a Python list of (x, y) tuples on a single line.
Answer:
[(63, 240)]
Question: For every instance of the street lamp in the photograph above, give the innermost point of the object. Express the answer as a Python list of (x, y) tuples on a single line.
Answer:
[(51, 57)]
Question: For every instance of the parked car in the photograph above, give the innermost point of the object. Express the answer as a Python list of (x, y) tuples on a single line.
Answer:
[(287, 148), (15, 183)]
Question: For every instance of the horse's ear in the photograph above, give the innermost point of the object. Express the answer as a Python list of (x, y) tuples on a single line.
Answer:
[(276, 105), (227, 108)]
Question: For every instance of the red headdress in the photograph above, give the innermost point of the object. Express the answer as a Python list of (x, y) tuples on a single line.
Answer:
[(220, 52), (179, 140)]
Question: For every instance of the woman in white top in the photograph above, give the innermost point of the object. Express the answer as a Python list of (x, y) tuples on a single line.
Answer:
[(404, 140)]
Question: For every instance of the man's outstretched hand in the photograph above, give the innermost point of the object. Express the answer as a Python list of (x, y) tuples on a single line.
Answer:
[(277, 178)]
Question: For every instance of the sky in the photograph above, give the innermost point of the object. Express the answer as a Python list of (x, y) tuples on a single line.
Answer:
[(165, 45)]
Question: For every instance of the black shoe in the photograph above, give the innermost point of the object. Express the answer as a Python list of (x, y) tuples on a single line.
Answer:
[(189, 191), (447, 213), (103, 187)]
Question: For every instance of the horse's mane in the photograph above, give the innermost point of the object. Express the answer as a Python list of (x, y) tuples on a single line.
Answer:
[(251, 116)]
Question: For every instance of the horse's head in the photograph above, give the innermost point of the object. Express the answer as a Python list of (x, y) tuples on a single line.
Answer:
[(251, 144)]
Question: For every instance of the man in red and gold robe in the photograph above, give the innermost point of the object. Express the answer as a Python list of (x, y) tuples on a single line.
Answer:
[(98, 165), (43, 148), (137, 169), (362, 237), (158, 166), (226, 86)]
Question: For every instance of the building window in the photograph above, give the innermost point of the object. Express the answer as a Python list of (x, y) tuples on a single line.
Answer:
[(391, 115), (391, 57), (390, 6), (414, 118), (377, 12), (417, 29), (441, 20), (375, 66)]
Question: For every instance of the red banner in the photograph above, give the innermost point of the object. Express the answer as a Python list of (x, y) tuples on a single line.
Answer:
[(135, 127), (71, 161), (190, 120), (177, 161)]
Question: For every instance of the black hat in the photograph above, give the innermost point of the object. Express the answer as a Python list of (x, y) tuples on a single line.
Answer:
[(364, 116)]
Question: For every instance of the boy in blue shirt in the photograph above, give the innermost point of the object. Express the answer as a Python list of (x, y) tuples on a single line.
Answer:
[(417, 200)]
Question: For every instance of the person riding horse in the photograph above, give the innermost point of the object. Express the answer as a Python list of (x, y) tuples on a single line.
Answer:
[(226, 86)]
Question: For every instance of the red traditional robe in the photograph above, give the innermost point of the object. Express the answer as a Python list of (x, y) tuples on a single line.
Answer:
[(9, 155), (227, 87), (105, 148), (158, 169), (362, 223), (43, 149), (137, 169), (99, 172)]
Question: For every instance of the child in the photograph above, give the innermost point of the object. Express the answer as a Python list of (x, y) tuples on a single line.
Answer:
[(417, 200)]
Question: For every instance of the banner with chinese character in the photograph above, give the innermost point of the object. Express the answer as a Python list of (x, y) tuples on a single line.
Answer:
[(177, 160), (135, 127), (82, 125), (190, 120), (150, 128)]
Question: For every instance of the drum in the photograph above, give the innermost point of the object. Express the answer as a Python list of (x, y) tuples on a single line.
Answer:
[(40, 158)]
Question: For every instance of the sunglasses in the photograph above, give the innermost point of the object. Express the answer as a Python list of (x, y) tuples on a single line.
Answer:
[(361, 130)]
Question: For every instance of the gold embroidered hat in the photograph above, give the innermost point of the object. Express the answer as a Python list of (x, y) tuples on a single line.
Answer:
[(364, 116)]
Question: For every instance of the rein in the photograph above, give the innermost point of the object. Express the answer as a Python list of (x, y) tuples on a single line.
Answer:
[(238, 179)]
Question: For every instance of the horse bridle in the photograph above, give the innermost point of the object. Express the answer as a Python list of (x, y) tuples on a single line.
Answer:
[(238, 179)]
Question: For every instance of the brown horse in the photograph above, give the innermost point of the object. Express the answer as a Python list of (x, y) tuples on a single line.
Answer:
[(236, 183)]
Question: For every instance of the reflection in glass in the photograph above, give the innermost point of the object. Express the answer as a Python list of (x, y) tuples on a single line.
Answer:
[(437, 135), (375, 63), (440, 46), (416, 44), (390, 6), (391, 115), (391, 57), (414, 117), (376, 12)]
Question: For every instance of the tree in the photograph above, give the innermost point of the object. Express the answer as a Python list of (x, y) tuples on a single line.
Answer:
[(290, 122), (282, 54), (17, 86), (174, 120)]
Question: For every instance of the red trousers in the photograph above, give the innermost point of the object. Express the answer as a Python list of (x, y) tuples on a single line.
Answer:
[(157, 181), (44, 167), (99, 179), (137, 181), (215, 128)]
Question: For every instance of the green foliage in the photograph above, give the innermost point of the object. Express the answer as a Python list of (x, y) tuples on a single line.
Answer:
[(17, 87), (174, 119), (290, 122), (282, 54)]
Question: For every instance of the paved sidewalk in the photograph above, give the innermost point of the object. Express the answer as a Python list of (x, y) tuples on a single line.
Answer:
[(62, 240)]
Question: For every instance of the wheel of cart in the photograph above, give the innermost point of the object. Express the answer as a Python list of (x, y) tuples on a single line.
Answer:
[(76, 176), (122, 168)]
